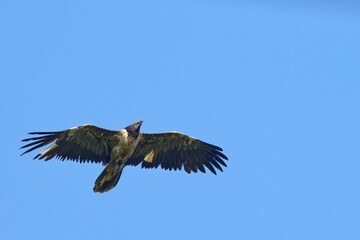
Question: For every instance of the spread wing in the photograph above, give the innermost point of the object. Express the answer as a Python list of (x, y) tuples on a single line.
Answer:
[(172, 150), (84, 143)]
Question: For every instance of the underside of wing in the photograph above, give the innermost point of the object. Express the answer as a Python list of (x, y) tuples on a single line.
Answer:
[(174, 150), (86, 143)]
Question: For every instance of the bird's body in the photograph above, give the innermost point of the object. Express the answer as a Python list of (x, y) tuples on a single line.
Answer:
[(128, 146)]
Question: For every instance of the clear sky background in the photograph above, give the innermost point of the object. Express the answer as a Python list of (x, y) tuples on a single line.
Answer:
[(276, 85)]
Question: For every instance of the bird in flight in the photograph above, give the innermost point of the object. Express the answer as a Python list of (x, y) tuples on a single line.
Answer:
[(128, 146)]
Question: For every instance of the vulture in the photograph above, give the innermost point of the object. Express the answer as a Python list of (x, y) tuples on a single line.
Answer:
[(128, 146)]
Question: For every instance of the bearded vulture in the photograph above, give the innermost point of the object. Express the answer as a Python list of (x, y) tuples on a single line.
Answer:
[(129, 146)]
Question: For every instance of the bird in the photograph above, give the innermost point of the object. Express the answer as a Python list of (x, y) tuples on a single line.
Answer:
[(128, 146)]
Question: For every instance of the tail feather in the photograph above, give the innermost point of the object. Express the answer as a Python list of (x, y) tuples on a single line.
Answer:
[(108, 179)]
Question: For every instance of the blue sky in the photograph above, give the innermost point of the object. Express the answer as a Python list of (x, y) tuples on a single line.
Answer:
[(276, 85)]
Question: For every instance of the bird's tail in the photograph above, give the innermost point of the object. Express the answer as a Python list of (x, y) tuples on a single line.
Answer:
[(108, 178)]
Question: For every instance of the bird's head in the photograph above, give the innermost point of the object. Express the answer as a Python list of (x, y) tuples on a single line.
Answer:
[(134, 129)]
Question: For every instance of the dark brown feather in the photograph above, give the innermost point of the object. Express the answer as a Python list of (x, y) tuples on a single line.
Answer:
[(86, 143), (173, 150)]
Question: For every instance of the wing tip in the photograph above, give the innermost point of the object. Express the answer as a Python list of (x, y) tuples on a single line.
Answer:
[(43, 133)]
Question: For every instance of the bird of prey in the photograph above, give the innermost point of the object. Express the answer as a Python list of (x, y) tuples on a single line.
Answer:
[(129, 146)]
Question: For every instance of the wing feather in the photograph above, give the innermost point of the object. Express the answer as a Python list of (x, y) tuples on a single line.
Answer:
[(86, 143), (210, 167), (174, 150), (201, 167)]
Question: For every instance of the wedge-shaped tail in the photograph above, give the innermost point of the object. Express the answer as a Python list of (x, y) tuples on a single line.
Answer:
[(108, 178)]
